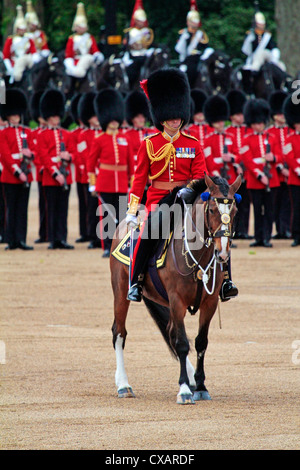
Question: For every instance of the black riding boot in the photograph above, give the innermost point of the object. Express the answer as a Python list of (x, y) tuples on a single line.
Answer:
[(228, 289), (137, 278)]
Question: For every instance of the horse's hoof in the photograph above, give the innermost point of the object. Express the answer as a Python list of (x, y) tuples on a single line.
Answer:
[(126, 392), (203, 395), (186, 399)]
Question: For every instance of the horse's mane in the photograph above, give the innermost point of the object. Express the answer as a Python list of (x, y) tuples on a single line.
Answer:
[(199, 186)]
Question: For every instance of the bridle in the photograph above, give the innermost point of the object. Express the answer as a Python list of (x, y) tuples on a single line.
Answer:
[(225, 217)]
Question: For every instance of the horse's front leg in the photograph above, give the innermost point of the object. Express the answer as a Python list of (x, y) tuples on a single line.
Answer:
[(180, 343)]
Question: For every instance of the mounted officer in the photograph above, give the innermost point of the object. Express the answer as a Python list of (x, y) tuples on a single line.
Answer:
[(35, 32)]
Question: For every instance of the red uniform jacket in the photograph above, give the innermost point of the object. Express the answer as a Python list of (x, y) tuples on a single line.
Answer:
[(200, 131), (136, 137), (78, 45), (84, 143), (112, 155), (49, 145), (292, 156), (186, 163), (11, 144), (239, 133), (37, 160), (10, 50), (253, 156), (40, 40), (281, 133), (214, 148)]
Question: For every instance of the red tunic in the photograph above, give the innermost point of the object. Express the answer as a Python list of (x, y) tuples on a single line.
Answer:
[(11, 144), (213, 150), (37, 161), (200, 131), (281, 134), (10, 50), (253, 156), (84, 143), (292, 156), (112, 155), (186, 163), (78, 45), (136, 137), (49, 145)]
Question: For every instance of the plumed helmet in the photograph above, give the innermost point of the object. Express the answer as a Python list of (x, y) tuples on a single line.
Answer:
[(80, 17), (276, 101), (52, 104), (136, 103), (168, 91), (193, 14), (256, 110), (31, 16), (109, 106), (34, 105), (236, 100), (86, 108), (16, 103), (199, 97), (20, 22), (291, 111), (216, 108), (138, 13)]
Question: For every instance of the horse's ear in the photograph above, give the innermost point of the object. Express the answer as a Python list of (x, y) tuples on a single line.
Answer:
[(209, 182), (235, 186)]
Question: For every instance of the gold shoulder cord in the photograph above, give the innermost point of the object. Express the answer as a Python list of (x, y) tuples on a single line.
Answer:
[(165, 152)]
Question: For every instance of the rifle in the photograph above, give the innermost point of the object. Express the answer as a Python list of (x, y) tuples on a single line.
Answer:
[(267, 166), (225, 168), (64, 164), (25, 160)]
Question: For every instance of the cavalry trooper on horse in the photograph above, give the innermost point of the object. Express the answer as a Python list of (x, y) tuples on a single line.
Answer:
[(19, 51), (35, 33), (192, 44), (260, 47), (81, 49), (137, 41)]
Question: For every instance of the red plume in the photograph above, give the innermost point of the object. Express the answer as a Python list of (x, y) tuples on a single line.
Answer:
[(138, 4), (193, 5), (144, 87)]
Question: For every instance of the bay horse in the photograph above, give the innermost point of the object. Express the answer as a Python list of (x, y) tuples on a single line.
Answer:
[(187, 272)]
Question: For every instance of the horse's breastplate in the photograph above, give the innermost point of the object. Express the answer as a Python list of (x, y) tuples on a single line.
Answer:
[(20, 46)]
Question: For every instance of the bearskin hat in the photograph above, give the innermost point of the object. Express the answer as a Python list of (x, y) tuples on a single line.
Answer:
[(34, 105), (136, 103), (199, 97), (86, 108), (52, 104), (168, 91), (236, 100), (109, 106), (276, 101), (256, 110), (74, 107), (216, 108), (291, 111), (16, 103)]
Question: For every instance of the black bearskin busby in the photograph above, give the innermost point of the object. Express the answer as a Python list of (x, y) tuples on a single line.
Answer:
[(136, 103), (52, 104), (291, 111), (256, 110), (236, 100), (216, 108), (168, 91), (199, 97), (276, 101), (86, 108), (16, 103), (34, 105), (109, 106), (74, 107)]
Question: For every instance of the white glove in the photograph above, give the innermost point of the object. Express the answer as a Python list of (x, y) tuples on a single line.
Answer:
[(297, 170), (132, 221)]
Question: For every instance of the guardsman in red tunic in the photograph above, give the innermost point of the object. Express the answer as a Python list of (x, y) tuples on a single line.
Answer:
[(169, 158), (260, 154), (56, 149), (35, 33), (16, 153), (3, 124), (292, 157), (237, 100), (35, 114), (282, 204), (199, 128), (81, 49), (88, 204), (221, 154), (110, 153)]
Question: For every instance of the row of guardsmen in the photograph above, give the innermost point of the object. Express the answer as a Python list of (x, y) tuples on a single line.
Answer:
[(103, 150)]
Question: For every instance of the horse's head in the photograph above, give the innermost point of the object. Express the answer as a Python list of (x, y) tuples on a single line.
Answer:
[(220, 210)]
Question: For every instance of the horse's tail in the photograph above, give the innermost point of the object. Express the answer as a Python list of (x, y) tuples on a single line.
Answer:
[(161, 316)]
